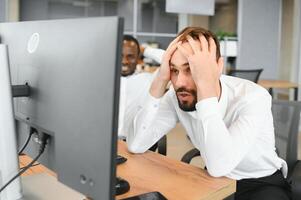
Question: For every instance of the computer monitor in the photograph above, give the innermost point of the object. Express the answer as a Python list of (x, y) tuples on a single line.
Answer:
[(73, 69)]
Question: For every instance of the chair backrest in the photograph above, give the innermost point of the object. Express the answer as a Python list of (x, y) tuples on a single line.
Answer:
[(286, 115), (250, 74)]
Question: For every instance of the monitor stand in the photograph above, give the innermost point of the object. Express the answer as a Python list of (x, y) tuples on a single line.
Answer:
[(122, 186), (45, 187), (120, 159)]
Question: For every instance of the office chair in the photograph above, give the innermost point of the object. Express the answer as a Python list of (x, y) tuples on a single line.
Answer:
[(161, 146), (286, 115), (250, 74)]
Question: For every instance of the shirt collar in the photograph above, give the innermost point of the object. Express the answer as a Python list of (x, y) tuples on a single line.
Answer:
[(222, 103)]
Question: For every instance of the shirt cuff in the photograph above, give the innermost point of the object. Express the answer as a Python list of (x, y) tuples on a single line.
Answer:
[(207, 107)]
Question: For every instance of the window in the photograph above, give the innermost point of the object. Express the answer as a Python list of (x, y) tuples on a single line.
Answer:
[(144, 19)]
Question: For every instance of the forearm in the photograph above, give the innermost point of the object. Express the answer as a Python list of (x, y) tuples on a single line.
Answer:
[(150, 123), (142, 134), (223, 147), (219, 149), (215, 144), (158, 87), (140, 137)]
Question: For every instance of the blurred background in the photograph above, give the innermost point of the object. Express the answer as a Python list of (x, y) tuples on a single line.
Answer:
[(257, 33)]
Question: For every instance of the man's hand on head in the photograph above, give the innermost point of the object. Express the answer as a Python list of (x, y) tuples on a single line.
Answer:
[(204, 67), (164, 72), (163, 77)]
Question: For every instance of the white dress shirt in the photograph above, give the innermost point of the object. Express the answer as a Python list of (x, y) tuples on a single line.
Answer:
[(235, 135), (153, 53), (133, 93), (134, 90)]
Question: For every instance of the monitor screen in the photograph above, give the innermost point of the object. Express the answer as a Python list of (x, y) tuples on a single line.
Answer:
[(73, 69)]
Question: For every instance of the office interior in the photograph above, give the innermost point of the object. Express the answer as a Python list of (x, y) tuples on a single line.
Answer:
[(150, 23), (255, 34)]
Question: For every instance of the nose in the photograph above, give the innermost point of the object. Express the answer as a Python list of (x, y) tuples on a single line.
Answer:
[(182, 80), (124, 60)]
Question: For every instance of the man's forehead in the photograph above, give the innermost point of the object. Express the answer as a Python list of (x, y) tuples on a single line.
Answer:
[(187, 46), (182, 66), (129, 43), (130, 47), (178, 59)]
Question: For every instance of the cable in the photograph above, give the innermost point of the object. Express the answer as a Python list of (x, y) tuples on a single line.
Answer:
[(26, 142), (43, 144), (31, 166)]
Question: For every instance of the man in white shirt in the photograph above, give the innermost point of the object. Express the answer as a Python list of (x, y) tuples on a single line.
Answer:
[(134, 87), (131, 85), (228, 119)]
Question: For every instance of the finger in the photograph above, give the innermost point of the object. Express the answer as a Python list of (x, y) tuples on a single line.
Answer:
[(175, 41), (194, 44), (169, 53), (171, 50), (204, 43), (182, 50), (212, 47)]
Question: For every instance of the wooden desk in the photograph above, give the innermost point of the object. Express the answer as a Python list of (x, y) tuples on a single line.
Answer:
[(25, 160), (279, 84), (153, 172), (41, 186), (174, 179)]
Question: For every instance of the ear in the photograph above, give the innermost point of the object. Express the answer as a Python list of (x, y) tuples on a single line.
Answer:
[(220, 65)]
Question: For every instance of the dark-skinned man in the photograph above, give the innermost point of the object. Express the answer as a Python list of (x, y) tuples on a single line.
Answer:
[(134, 87)]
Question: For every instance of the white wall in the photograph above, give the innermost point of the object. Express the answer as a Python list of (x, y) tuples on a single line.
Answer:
[(3, 4), (225, 18), (286, 50), (297, 43), (259, 35)]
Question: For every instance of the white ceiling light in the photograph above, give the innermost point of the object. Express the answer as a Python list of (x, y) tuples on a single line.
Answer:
[(199, 7)]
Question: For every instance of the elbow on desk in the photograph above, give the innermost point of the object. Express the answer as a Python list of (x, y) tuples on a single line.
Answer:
[(135, 148), (218, 171)]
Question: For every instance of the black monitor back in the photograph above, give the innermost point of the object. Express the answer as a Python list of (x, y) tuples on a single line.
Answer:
[(72, 67)]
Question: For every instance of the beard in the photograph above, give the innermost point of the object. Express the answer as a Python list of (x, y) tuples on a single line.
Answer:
[(187, 106)]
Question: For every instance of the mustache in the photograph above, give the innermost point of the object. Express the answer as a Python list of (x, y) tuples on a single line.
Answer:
[(183, 89)]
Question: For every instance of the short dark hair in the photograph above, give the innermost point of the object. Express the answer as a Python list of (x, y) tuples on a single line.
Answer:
[(131, 38), (194, 32)]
